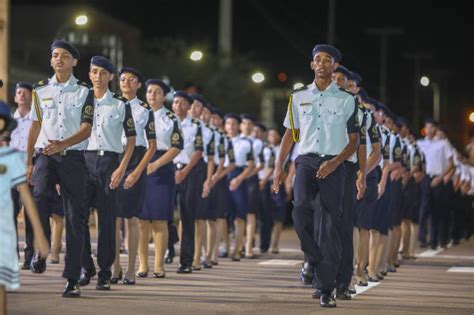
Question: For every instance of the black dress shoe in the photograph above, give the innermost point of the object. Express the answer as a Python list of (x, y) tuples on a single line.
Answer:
[(86, 277), (373, 279), (362, 284), (380, 277), (392, 269), (54, 261), (215, 263), (307, 273), (102, 284), (206, 265), (38, 265), (327, 300), (26, 265), (234, 258), (397, 265), (343, 294), (196, 268), (317, 294), (71, 290), (184, 269), (128, 281), (223, 254), (159, 275), (142, 274), (115, 280), (352, 290), (169, 256), (384, 273)]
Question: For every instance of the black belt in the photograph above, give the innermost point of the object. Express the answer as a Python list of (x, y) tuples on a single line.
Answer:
[(65, 152), (180, 166), (103, 153)]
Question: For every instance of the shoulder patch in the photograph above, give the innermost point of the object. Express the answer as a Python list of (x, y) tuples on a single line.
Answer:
[(171, 115), (350, 93), (303, 88), (83, 83), (41, 83), (145, 105), (120, 98), (196, 121)]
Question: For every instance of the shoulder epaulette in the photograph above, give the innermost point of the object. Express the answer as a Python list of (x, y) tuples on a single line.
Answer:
[(120, 98), (348, 92), (196, 121), (171, 115), (83, 83), (145, 105), (41, 83), (300, 89)]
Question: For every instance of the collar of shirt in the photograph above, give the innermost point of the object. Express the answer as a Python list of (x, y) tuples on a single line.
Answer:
[(17, 115), (135, 101), (108, 94), (161, 112), (71, 81), (332, 88)]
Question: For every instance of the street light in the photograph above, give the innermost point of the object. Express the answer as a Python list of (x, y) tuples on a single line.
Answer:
[(425, 81), (471, 117), (297, 85), (196, 55), (258, 77), (82, 19)]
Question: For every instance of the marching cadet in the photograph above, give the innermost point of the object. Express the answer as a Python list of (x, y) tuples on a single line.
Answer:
[(160, 189), (130, 193), (322, 118), (210, 204), (246, 128), (104, 169), (225, 160), (203, 183), (62, 122), (355, 170), (244, 165), (439, 161), (187, 174), (366, 206)]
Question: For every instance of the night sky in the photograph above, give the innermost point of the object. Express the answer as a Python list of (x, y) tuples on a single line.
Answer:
[(279, 36)]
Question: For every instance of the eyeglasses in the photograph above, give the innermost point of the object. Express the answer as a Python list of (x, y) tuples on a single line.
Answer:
[(131, 80)]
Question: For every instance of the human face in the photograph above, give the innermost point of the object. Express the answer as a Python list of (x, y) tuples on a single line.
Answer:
[(129, 83), (379, 117), (352, 87), (258, 133), (2, 124), (180, 106), (23, 97), (323, 65), (430, 130), (231, 127), (216, 120), (196, 109), (440, 134), (246, 126), (62, 60), (340, 79), (206, 115), (155, 95), (404, 131), (100, 77), (273, 137)]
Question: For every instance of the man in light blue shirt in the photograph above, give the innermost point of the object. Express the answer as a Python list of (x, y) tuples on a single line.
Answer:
[(321, 117)]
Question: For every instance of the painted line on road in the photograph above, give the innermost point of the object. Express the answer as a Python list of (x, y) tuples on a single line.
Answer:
[(361, 290), (430, 252), (461, 269), (281, 262)]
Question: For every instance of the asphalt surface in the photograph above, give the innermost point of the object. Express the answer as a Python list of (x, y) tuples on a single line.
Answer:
[(266, 285)]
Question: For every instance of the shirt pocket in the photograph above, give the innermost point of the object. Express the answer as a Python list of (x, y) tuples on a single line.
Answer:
[(74, 111), (111, 116), (334, 117), (48, 107)]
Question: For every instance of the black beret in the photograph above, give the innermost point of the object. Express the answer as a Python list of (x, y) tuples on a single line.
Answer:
[(233, 116), (391, 115), (166, 89), (199, 98), (247, 116), (356, 77), (382, 107), (133, 71), (333, 51), (218, 112), (261, 126), (65, 45), (103, 62), (24, 85), (209, 107), (344, 71), (402, 121), (363, 94), (184, 95)]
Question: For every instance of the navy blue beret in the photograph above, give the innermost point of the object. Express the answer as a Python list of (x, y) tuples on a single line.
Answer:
[(402, 121), (363, 93), (209, 107), (261, 126), (391, 115), (344, 71), (356, 77), (382, 107), (103, 62), (373, 102), (247, 116), (184, 95), (24, 85), (133, 71), (65, 45), (233, 116), (218, 112), (166, 89), (333, 51), (199, 98)]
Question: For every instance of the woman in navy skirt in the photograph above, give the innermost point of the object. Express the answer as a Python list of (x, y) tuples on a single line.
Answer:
[(242, 151), (130, 194), (160, 185)]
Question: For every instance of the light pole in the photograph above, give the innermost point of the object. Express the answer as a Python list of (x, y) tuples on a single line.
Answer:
[(425, 81)]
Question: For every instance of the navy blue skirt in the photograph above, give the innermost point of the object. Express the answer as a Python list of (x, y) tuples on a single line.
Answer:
[(238, 197), (129, 201), (254, 195), (367, 206), (397, 202), (220, 197), (160, 191), (383, 214), (278, 202)]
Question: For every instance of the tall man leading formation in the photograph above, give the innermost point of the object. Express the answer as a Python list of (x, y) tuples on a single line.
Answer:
[(321, 117)]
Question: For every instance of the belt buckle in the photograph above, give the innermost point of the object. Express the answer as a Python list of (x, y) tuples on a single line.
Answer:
[(179, 165), (62, 153), (100, 152)]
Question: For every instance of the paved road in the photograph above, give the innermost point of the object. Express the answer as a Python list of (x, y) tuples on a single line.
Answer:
[(267, 285)]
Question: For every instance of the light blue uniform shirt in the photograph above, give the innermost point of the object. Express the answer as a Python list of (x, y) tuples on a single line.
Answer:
[(324, 118)]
